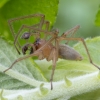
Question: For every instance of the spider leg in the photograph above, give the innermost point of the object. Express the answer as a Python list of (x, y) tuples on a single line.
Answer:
[(22, 58), (22, 27), (82, 40), (10, 23), (16, 37), (47, 23), (13, 33), (31, 27), (37, 34), (73, 31), (53, 33), (53, 56), (57, 48), (34, 54)]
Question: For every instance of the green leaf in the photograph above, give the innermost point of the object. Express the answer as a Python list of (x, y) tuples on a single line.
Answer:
[(1, 96), (43, 90), (25, 67), (97, 20), (29, 80), (17, 8), (3, 2)]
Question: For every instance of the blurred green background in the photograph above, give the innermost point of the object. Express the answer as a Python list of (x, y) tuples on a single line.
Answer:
[(82, 12), (70, 13)]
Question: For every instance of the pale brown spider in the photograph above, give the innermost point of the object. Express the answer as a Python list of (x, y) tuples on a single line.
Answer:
[(45, 49)]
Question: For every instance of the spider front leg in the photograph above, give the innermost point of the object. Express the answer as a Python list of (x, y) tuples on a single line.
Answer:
[(36, 53), (82, 40), (11, 21), (16, 37), (72, 30), (54, 60), (38, 30), (22, 58), (47, 23), (25, 35), (35, 28), (53, 57)]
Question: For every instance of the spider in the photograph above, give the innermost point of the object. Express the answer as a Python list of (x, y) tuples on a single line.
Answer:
[(46, 49)]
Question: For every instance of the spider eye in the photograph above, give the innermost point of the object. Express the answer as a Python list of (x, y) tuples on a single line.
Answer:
[(26, 35)]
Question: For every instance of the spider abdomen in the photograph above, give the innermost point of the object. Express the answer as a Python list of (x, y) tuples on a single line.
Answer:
[(68, 53)]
